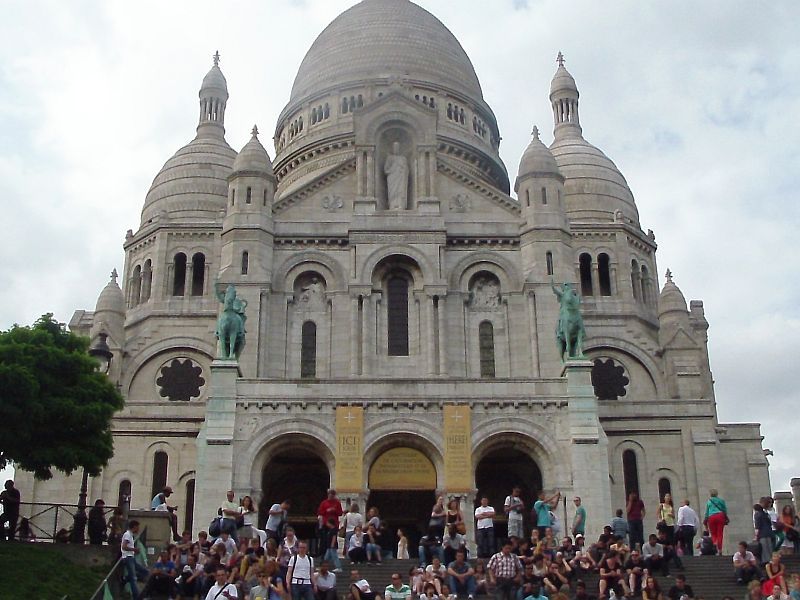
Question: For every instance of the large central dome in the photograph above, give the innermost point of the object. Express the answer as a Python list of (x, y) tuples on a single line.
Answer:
[(384, 39)]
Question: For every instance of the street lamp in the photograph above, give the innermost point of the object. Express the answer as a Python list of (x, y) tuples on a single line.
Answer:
[(102, 353)]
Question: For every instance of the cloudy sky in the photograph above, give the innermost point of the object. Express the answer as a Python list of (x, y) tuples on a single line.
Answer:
[(696, 102)]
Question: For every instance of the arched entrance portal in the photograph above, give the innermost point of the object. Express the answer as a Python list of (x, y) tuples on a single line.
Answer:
[(300, 476), (402, 483), (498, 472)]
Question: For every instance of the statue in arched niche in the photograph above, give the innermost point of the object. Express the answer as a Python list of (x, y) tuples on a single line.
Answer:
[(396, 170)]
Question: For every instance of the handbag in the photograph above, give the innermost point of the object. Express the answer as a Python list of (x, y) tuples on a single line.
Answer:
[(461, 528), (215, 528)]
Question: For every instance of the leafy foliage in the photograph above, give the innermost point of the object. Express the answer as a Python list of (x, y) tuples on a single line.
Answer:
[(55, 408)]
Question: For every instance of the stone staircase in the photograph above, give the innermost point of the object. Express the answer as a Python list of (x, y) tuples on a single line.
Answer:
[(711, 577)]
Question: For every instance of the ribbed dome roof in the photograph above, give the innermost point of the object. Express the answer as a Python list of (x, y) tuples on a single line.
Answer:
[(594, 188), (563, 81), (253, 157), (384, 38), (111, 298), (214, 80), (537, 158), (671, 299), (193, 183)]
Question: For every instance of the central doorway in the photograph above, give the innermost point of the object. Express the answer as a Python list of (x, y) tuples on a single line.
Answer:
[(402, 483), (497, 473), (300, 476)]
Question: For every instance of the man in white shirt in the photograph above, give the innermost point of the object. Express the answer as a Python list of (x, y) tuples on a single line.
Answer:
[(301, 580), (688, 523), (222, 590), (326, 582), (276, 520), (133, 570), (230, 512), (653, 554), (745, 565), (484, 533)]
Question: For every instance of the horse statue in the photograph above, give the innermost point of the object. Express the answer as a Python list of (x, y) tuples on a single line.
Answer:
[(230, 324), (570, 331)]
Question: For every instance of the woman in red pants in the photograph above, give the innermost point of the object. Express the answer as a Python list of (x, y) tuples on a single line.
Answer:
[(716, 518)]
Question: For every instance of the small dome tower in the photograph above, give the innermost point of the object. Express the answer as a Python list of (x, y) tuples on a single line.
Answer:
[(213, 98), (564, 100), (248, 225), (545, 231), (109, 316)]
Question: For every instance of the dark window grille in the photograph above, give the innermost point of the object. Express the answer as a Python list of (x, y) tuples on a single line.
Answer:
[(397, 288), (160, 462), (486, 343), (630, 472), (308, 351)]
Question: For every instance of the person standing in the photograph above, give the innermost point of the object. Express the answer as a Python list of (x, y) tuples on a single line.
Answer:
[(513, 508), (716, 518), (635, 512), (277, 520), (505, 572), (688, 523), (10, 499), (230, 514), (133, 571), (300, 578), (484, 532), (250, 519), (329, 510), (542, 508), (579, 520), (763, 527), (666, 518), (96, 525)]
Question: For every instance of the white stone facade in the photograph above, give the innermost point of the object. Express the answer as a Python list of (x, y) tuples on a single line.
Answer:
[(312, 239)]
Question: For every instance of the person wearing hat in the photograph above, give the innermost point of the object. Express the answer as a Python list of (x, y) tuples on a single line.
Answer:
[(159, 503)]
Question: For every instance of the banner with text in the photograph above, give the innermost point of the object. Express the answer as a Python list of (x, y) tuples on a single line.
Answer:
[(457, 448), (349, 448)]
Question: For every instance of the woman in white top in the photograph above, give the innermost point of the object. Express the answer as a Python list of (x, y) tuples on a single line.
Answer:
[(352, 519), (248, 511), (356, 549), (402, 545), (435, 574)]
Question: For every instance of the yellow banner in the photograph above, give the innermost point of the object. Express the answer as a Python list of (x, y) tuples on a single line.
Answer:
[(402, 469), (457, 448), (349, 448)]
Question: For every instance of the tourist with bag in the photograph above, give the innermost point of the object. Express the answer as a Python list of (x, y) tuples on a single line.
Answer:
[(716, 518)]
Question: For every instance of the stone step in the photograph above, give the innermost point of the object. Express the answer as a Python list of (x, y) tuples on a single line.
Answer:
[(711, 577)]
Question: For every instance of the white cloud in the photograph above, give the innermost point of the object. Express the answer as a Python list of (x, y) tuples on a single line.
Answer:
[(695, 102)]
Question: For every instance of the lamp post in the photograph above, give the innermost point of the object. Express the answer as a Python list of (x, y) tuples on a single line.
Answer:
[(102, 353)]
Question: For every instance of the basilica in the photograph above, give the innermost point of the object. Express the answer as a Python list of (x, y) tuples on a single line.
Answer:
[(400, 312)]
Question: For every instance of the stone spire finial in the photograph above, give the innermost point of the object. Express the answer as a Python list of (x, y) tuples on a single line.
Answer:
[(535, 132), (669, 276), (560, 59), (114, 276), (216, 58), (255, 131)]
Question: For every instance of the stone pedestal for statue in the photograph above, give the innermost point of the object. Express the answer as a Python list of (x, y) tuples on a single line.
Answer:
[(429, 206), (589, 449), (215, 444), (782, 499), (795, 483), (365, 205)]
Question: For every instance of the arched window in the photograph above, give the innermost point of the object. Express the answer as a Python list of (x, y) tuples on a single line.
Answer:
[(604, 273), (308, 351), (645, 285), (265, 197), (397, 288), (147, 280), (549, 262), (344, 105), (179, 275), (248, 199), (486, 344), (188, 511), (527, 197), (327, 111), (635, 279), (233, 196), (160, 462), (124, 492), (630, 472), (313, 116), (544, 195), (664, 488), (586, 274), (136, 285), (198, 273), (245, 262)]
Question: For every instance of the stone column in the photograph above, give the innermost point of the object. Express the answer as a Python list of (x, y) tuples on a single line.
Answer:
[(782, 499), (355, 350), (612, 273), (430, 342), (588, 446), (215, 443), (468, 510), (442, 336), (596, 279), (367, 334)]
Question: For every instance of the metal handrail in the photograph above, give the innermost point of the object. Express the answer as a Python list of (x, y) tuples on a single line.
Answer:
[(100, 587), (40, 510)]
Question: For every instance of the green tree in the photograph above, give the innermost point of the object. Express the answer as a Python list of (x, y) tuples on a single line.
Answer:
[(55, 409)]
